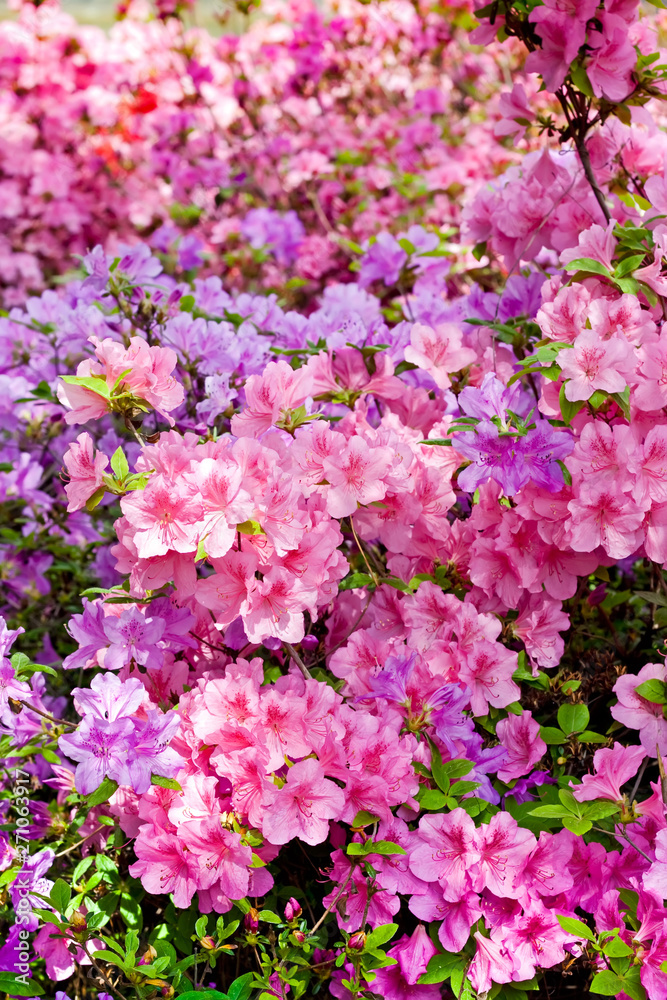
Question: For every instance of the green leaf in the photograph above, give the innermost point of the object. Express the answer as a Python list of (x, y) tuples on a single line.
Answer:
[(269, 917), (549, 811), (131, 912), (95, 383), (15, 986), (622, 400), (577, 826), (433, 798), (607, 983), (653, 690), (617, 948), (157, 779), (380, 936), (355, 580), (588, 737), (102, 794), (60, 895), (200, 926), (569, 410), (463, 787), (552, 736), (383, 847), (364, 818), (577, 927), (599, 810), (119, 464), (440, 968), (205, 995), (652, 598), (456, 768), (573, 718), (241, 988), (628, 264), (588, 264), (95, 499)]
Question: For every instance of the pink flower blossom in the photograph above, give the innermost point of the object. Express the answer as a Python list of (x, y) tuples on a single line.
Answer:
[(86, 471), (303, 806), (592, 364), (612, 769)]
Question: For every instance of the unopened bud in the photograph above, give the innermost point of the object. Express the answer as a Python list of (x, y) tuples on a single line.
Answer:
[(148, 956), (299, 936), (251, 920), (357, 941), (292, 909), (77, 922), (208, 943)]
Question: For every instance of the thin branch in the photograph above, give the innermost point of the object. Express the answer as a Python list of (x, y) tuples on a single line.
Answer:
[(299, 662), (371, 572), (102, 973), (332, 903), (51, 718), (61, 854)]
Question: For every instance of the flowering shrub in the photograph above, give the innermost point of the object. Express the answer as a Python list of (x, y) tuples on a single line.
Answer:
[(332, 657)]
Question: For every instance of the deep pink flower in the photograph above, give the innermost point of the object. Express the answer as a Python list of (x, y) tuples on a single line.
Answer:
[(613, 767)]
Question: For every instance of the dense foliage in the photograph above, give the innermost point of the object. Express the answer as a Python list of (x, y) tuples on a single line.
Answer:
[(333, 496)]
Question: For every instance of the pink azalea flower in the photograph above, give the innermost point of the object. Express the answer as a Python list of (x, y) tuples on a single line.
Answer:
[(596, 242), (503, 849), (601, 516), (534, 939), (655, 879), (166, 516), (613, 768), (447, 849), (86, 471), (222, 858), (538, 625), (303, 806), (399, 982), (492, 964), (165, 865), (439, 351), (356, 476), (592, 364), (638, 713), (520, 735)]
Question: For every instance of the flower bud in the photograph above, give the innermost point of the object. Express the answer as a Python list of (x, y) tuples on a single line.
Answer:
[(207, 943), (309, 643), (251, 920), (357, 941), (299, 936), (292, 909), (77, 922)]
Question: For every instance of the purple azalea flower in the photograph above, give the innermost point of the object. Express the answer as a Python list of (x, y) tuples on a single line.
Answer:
[(31, 880), (109, 698), (281, 234), (97, 264), (492, 457), (382, 261), (150, 752), (446, 715), (491, 399), (133, 637), (540, 450), (101, 748), (87, 629)]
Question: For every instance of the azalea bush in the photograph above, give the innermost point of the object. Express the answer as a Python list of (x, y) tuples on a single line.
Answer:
[(334, 607)]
